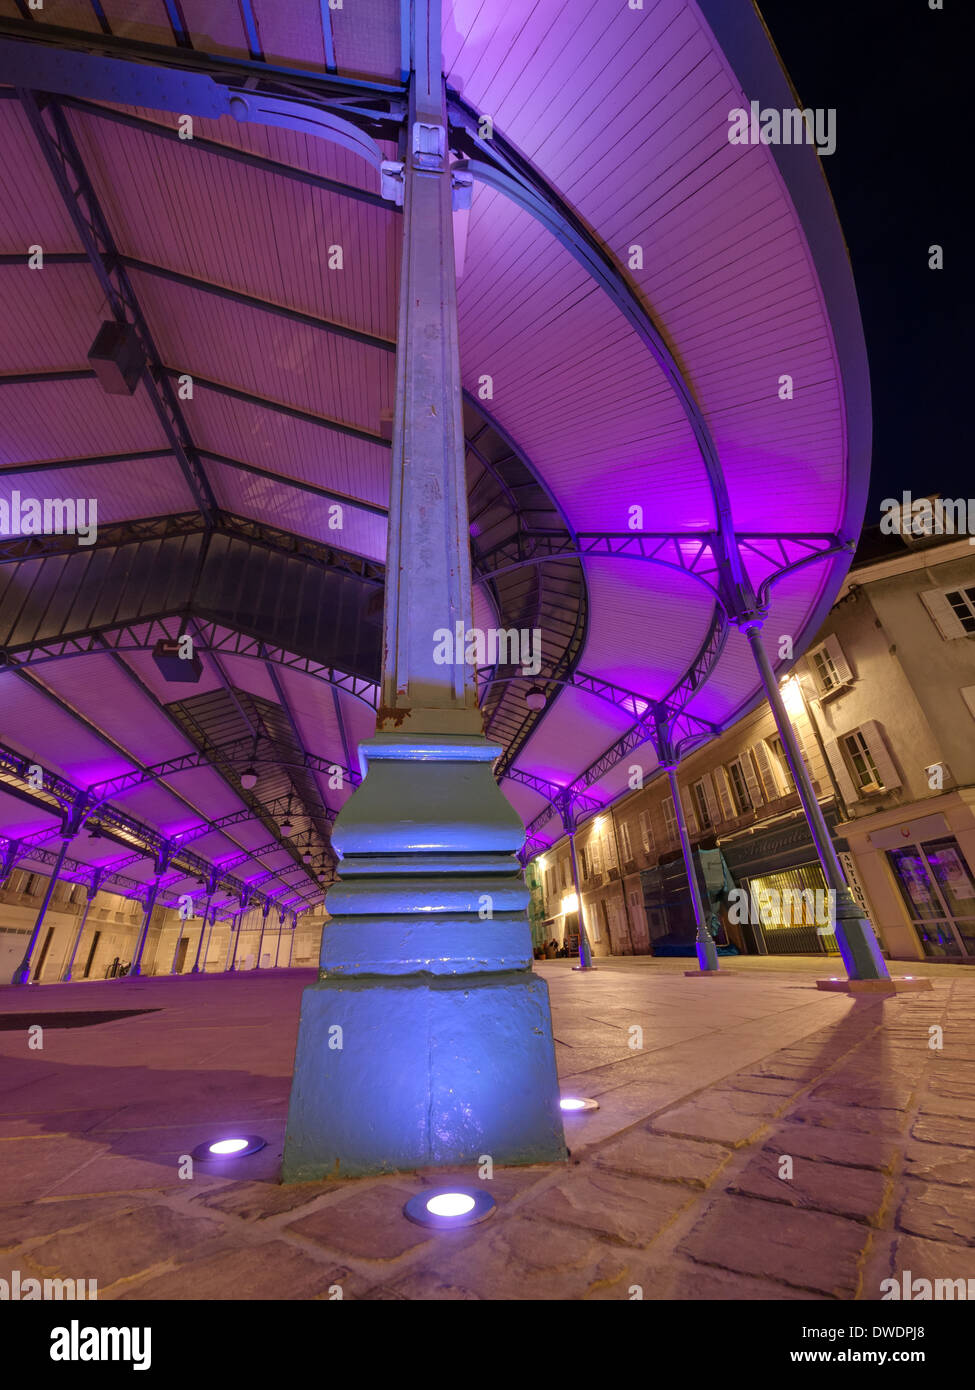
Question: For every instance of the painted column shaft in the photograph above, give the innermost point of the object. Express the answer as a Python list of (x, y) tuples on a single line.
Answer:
[(707, 952), (22, 973), (136, 967), (585, 951), (199, 944), (78, 935), (854, 933)]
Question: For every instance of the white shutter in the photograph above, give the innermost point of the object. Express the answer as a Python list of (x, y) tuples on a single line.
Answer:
[(764, 765), (710, 798), (945, 617), (687, 801), (844, 781), (646, 832), (728, 811), (877, 744), (751, 779), (670, 817), (843, 672), (625, 841)]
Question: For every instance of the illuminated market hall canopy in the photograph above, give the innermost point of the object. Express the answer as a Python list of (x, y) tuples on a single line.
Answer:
[(665, 406)]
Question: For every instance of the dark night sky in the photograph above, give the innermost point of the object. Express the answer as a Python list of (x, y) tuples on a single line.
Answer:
[(901, 177)]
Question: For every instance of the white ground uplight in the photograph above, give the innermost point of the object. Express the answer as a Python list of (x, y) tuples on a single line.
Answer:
[(229, 1146), (578, 1103), (448, 1208)]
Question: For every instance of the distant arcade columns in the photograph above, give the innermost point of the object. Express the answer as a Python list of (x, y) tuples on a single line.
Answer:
[(164, 857)]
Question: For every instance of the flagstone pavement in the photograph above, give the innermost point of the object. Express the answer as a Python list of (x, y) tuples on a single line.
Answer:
[(756, 1138)]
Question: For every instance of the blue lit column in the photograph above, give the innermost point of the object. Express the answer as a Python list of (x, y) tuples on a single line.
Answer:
[(211, 889), (855, 935), (73, 820), (91, 890), (569, 826), (260, 945), (707, 952), (426, 968), (164, 856)]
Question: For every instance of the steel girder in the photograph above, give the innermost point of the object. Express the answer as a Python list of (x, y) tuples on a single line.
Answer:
[(71, 178)]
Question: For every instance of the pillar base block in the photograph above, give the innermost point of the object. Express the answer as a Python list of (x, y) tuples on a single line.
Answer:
[(709, 975), (431, 1073), (889, 986), (585, 967)]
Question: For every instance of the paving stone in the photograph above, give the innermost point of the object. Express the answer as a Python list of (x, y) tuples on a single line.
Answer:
[(687, 1282), (828, 1145), (662, 1156), (519, 1259), (940, 1163), (23, 1223), (860, 1119), (732, 1117), (256, 1201), (29, 1168), (956, 1107), (368, 1224), (275, 1270), (116, 1247), (938, 1212), (857, 1193), (807, 1249), (938, 1129), (763, 1085), (630, 1210), (948, 1086), (931, 1260), (885, 1094)]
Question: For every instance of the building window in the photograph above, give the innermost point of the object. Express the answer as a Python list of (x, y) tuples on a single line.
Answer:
[(670, 818), (739, 788), (785, 771), (646, 832), (830, 666), (962, 602), (701, 808), (625, 841), (826, 672), (861, 761)]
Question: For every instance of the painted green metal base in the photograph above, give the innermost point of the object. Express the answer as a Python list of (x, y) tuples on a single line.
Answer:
[(427, 1040)]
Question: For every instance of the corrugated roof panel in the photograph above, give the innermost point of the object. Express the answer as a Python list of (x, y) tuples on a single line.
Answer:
[(145, 21), (292, 35), (367, 38), (137, 488), (71, 419), (216, 26), (173, 204)]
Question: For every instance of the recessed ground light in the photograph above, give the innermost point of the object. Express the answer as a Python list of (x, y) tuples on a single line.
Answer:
[(578, 1103), (448, 1208), (233, 1146)]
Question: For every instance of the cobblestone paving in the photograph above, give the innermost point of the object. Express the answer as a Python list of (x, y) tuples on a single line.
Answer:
[(765, 1140)]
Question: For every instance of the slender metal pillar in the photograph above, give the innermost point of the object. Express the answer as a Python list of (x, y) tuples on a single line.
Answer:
[(260, 945), (291, 947), (22, 973), (206, 949), (203, 927), (232, 943), (91, 892), (277, 949), (136, 966), (855, 935), (707, 952), (427, 962)]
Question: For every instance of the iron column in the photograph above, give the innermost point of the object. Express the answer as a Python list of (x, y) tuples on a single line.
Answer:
[(91, 892)]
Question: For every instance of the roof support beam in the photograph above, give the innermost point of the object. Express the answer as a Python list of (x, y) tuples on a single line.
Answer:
[(58, 146)]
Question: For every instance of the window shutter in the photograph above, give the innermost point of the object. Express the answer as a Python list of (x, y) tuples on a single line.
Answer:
[(710, 798), (764, 764), (843, 672), (751, 779), (968, 695), (595, 855), (877, 744), (945, 618), (724, 795), (646, 832), (844, 781), (687, 802)]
